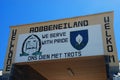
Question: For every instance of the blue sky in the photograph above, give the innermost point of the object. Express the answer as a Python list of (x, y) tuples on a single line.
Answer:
[(15, 12)]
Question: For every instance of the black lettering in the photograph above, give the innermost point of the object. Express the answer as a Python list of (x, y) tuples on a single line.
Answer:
[(106, 33), (111, 58), (53, 56), (108, 40), (36, 29), (80, 23), (109, 48), (30, 58), (85, 22), (50, 27), (79, 53), (106, 19), (13, 34), (40, 29), (63, 40), (55, 27), (42, 57), (69, 26), (107, 26), (31, 30), (9, 61), (75, 24), (10, 53), (45, 36), (45, 28), (7, 68), (60, 26), (72, 54), (65, 25)]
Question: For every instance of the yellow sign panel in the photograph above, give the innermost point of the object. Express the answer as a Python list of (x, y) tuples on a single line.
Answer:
[(105, 28)]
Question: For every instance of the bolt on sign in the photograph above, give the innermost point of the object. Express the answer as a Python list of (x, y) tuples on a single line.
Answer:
[(90, 35)]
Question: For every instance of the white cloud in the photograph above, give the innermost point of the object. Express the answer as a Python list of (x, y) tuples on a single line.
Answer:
[(0, 73)]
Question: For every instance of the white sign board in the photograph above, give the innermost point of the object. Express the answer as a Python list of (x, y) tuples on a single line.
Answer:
[(58, 44)]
